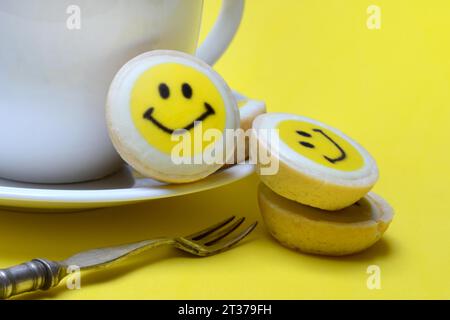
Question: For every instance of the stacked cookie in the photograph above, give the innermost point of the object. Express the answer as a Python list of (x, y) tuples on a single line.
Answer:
[(318, 200)]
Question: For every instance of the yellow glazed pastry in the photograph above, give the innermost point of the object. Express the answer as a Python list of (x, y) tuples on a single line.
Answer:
[(318, 165), (316, 231), (167, 113), (249, 109)]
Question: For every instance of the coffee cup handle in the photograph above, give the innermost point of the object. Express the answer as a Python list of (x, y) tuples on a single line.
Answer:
[(223, 32)]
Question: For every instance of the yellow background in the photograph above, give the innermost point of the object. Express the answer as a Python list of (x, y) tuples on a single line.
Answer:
[(389, 89)]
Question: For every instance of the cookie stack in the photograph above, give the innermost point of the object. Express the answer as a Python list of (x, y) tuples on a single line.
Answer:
[(318, 199)]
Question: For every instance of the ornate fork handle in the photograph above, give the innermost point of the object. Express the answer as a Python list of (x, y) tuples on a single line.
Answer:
[(43, 274), (38, 274)]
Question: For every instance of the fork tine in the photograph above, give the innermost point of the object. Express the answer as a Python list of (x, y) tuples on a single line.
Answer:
[(222, 233), (227, 245), (201, 234)]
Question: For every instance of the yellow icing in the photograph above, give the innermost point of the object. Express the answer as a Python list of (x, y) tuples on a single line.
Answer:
[(320, 145), (176, 110)]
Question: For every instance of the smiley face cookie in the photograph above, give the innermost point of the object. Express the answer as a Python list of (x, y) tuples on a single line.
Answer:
[(167, 113), (318, 165), (249, 109), (316, 231)]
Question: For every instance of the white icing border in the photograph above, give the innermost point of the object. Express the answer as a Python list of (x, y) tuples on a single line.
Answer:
[(251, 109)]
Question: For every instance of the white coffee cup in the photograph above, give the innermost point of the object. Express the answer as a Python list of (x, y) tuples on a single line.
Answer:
[(57, 59)]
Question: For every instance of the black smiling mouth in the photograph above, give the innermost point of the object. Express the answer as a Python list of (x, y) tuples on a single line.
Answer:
[(148, 115), (341, 157)]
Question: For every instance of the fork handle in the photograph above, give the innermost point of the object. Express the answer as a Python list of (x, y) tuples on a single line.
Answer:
[(38, 274)]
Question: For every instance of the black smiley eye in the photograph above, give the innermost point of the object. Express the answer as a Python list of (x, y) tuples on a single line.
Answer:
[(304, 134), (187, 90), (307, 145), (164, 91)]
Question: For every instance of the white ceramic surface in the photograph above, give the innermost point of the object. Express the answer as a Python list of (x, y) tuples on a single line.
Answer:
[(119, 189), (55, 76)]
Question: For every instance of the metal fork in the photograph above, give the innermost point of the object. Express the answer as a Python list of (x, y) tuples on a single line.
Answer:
[(43, 274)]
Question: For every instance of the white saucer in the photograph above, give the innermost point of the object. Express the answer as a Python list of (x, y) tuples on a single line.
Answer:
[(120, 189)]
